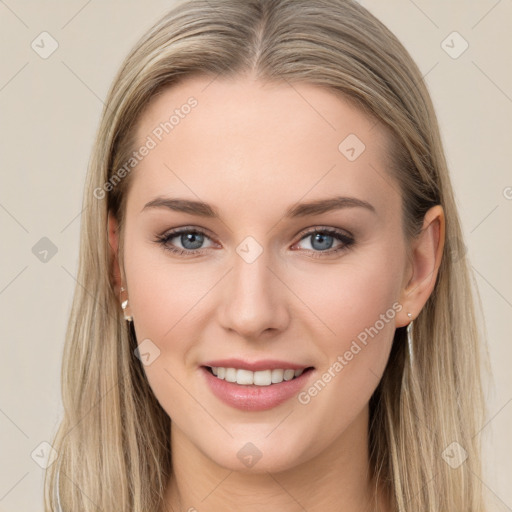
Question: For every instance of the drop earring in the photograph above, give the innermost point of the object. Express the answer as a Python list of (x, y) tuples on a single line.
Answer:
[(124, 305), (410, 340)]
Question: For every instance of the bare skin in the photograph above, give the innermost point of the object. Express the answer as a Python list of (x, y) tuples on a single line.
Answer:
[(252, 151)]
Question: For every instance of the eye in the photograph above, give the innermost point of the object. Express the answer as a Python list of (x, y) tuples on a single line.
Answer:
[(191, 240), (321, 241)]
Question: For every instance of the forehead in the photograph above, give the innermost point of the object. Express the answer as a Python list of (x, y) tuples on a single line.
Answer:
[(258, 143)]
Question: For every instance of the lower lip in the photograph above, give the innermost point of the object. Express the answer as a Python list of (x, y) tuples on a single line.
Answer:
[(252, 397)]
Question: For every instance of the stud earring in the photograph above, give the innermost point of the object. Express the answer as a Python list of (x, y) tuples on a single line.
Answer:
[(124, 305), (410, 340)]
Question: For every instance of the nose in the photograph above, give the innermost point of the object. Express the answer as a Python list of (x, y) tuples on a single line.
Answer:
[(254, 300)]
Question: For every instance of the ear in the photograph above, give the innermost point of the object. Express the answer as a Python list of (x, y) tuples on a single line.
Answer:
[(113, 241), (427, 251)]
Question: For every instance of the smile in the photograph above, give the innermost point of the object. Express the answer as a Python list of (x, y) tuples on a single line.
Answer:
[(258, 390), (258, 378)]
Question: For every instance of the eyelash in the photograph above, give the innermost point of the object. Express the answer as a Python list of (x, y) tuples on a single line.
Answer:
[(347, 240)]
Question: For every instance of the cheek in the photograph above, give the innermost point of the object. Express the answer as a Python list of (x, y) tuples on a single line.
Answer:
[(165, 300), (351, 297), (162, 293), (359, 303), (172, 304)]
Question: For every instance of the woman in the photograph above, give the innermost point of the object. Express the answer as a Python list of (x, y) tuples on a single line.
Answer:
[(275, 310)]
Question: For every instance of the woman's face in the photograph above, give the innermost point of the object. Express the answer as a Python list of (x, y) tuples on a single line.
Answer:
[(259, 275)]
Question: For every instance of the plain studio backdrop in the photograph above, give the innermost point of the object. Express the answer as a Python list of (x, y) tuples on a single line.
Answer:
[(58, 59)]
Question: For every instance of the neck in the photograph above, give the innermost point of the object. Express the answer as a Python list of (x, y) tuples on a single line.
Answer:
[(336, 479)]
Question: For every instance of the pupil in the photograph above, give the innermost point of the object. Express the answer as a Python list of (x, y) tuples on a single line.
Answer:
[(321, 237), (191, 238)]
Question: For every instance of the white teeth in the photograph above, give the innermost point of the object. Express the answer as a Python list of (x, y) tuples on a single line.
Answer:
[(259, 378), (262, 378), (277, 376), (289, 374), (230, 375), (244, 377)]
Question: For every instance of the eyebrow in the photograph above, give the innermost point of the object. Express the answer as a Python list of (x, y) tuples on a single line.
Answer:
[(298, 210)]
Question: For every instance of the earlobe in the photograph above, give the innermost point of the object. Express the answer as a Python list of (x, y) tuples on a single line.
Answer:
[(113, 241), (427, 252)]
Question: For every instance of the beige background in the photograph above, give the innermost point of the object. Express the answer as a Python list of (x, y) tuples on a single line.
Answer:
[(49, 111)]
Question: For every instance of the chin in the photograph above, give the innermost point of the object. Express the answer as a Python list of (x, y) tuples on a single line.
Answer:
[(258, 456)]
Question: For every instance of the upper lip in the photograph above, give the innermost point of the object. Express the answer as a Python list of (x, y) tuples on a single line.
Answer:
[(254, 366)]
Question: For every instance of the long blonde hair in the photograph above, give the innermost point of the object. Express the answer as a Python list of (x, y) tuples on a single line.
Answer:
[(113, 442)]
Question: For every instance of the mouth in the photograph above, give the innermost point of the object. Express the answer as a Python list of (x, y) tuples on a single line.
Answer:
[(268, 377), (258, 390)]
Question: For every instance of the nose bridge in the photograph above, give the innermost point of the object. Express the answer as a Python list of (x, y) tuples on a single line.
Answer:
[(254, 301)]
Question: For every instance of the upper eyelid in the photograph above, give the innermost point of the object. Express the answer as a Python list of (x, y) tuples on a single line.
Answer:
[(303, 232)]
